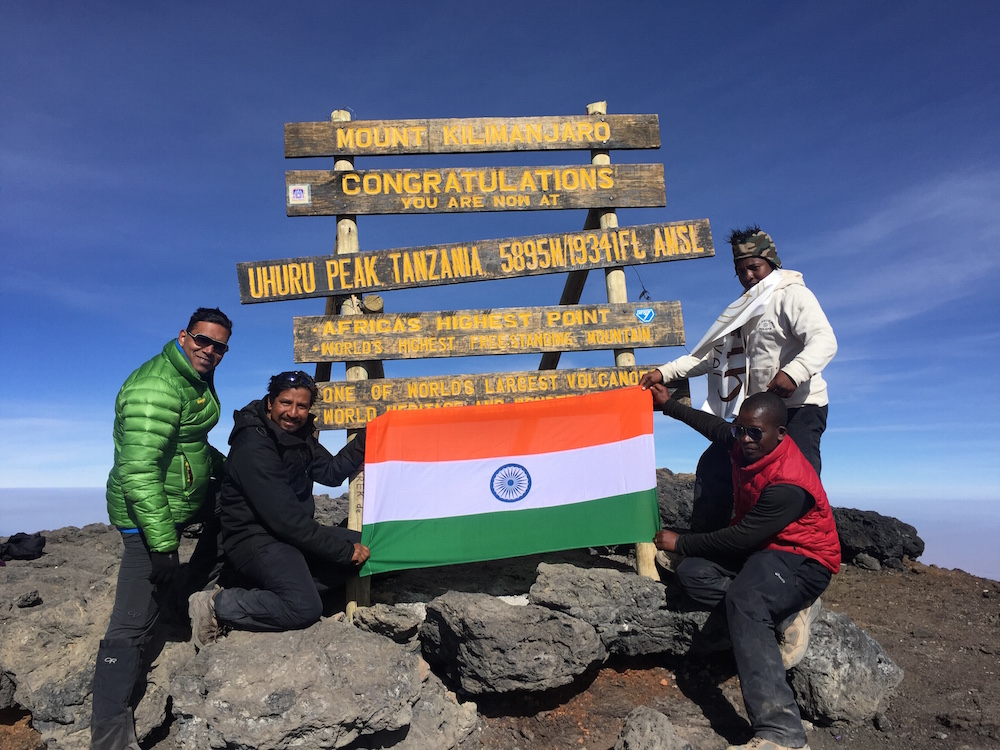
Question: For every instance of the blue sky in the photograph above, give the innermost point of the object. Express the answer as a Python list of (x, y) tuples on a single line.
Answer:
[(141, 158)]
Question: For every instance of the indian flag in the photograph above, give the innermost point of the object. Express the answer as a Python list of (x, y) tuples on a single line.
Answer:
[(469, 483)]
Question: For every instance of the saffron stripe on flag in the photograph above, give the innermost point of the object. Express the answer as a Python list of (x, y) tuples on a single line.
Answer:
[(519, 428)]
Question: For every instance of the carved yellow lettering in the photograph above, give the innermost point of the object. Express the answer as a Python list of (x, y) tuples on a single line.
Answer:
[(345, 138), (693, 234), (497, 134), (349, 184), (407, 268)]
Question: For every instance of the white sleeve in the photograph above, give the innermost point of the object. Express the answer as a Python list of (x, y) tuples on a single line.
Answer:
[(684, 367), (808, 324)]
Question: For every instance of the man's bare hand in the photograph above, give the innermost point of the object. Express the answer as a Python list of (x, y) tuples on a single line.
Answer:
[(361, 554), (666, 540), (781, 385), (660, 395), (650, 379)]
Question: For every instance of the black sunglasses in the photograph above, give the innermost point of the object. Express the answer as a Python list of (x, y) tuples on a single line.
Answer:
[(296, 377), (203, 342), (754, 433)]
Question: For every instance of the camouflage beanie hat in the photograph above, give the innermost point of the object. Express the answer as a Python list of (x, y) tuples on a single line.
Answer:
[(757, 245)]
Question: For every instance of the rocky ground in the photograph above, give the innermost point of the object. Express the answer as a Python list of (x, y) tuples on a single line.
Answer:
[(941, 626)]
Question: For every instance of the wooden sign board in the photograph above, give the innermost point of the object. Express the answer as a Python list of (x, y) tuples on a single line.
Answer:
[(470, 135), (463, 333), (473, 189), (404, 268), (352, 404)]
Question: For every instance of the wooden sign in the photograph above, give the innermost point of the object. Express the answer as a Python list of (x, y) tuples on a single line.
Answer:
[(404, 268), (351, 404), (463, 333), (470, 135), (473, 189)]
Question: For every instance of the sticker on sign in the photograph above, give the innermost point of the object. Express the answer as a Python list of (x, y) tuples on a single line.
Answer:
[(299, 195)]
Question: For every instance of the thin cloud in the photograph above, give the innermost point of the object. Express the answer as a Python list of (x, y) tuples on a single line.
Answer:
[(928, 246)]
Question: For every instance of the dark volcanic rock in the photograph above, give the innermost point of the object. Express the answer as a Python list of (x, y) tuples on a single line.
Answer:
[(635, 616), (674, 494), (883, 538), (488, 646)]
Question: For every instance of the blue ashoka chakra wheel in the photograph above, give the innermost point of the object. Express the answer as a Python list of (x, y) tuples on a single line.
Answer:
[(510, 483)]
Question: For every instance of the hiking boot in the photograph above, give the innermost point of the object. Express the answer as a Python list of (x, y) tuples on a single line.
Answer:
[(201, 608), (759, 743), (668, 560), (795, 639)]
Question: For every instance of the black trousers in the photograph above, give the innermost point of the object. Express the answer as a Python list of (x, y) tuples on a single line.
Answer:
[(286, 587), (138, 604), (769, 588)]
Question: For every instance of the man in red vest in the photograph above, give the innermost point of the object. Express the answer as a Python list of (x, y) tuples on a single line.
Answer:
[(769, 566)]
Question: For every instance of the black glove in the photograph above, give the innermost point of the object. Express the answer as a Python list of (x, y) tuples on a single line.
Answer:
[(165, 567)]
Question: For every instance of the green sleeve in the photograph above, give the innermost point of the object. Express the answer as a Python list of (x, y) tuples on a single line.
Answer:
[(150, 418)]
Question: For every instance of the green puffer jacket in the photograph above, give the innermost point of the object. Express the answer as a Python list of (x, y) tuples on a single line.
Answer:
[(163, 462)]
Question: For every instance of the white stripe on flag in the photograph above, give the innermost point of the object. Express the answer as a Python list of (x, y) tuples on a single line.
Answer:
[(441, 489)]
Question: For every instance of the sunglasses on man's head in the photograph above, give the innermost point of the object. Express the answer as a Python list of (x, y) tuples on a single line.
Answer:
[(754, 433), (203, 342), (296, 377)]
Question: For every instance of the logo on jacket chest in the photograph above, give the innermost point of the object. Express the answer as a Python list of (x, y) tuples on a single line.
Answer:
[(765, 326)]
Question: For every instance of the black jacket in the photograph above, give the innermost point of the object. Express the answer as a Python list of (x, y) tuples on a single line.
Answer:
[(268, 483)]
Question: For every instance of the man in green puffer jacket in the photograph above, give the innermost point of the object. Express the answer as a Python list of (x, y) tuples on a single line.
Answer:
[(162, 480)]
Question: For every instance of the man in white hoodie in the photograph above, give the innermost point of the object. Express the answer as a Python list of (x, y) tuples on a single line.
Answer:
[(775, 338)]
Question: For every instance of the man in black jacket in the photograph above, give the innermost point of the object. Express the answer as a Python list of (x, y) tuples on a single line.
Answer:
[(271, 539)]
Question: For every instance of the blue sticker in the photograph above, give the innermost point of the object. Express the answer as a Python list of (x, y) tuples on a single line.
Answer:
[(645, 314), (510, 483)]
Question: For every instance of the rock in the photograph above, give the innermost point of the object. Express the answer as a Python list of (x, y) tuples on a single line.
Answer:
[(331, 511), (7, 689), (646, 729), (439, 721), (322, 687), (675, 496), (866, 562), (31, 599), (634, 616), (487, 646), (49, 649), (845, 675), (399, 622), (885, 539)]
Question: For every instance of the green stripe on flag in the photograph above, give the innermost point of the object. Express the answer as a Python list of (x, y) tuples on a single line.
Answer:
[(402, 545)]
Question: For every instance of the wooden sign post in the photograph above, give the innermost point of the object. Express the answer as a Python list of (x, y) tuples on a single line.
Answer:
[(357, 331)]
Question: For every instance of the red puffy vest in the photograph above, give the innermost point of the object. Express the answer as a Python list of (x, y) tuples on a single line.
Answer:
[(815, 534)]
